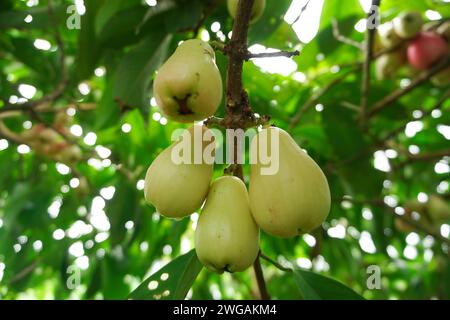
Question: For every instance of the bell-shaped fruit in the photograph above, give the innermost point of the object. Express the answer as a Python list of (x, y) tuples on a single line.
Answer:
[(257, 9), (178, 180), (438, 209), (444, 30), (289, 194), (387, 35), (188, 87), (426, 49), (408, 24), (227, 237), (388, 64)]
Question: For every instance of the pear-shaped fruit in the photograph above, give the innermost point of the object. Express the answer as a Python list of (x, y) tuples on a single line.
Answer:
[(257, 9), (408, 24), (438, 209), (387, 65), (292, 197), (188, 87), (177, 187), (227, 237), (387, 35)]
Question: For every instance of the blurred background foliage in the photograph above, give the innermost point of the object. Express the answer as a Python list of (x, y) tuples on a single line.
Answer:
[(93, 216)]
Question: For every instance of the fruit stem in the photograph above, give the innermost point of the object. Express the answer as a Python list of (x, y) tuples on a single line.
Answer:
[(238, 111), (260, 279)]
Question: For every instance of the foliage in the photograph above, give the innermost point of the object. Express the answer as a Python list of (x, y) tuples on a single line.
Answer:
[(119, 244)]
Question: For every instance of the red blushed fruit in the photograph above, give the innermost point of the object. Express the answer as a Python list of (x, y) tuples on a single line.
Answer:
[(426, 49)]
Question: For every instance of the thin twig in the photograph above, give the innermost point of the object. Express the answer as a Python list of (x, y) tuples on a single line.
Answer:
[(276, 264), (425, 113), (337, 34), (302, 10), (315, 98), (416, 224), (238, 110), (365, 87), (287, 54), (64, 78), (260, 279)]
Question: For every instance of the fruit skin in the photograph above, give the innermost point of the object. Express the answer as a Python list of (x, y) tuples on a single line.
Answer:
[(188, 87), (408, 24), (294, 200), (178, 190), (387, 35), (227, 237), (438, 209), (257, 10), (388, 64), (444, 30), (426, 49)]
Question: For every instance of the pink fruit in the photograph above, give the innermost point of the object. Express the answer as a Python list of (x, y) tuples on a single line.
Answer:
[(426, 49)]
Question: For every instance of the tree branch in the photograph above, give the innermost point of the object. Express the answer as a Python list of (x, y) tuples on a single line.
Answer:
[(365, 88), (315, 98), (416, 224), (287, 54), (337, 34), (422, 78), (238, 111), (64, 78)]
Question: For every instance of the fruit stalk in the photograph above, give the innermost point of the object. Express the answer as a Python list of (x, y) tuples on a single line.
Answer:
[(236, 100)]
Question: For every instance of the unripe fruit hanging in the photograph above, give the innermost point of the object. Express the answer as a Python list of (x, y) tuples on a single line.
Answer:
[(387, 35), (177, 189), (294, 199), (426, 49), (388, 64), (227, 237), (257, 10), (408, 24), (188, 87)]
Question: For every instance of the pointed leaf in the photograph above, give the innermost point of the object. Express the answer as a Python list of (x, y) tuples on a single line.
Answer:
[(173, 281)]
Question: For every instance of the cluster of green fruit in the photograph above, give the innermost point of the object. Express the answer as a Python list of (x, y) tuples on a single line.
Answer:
[(433, 213), (293, 200), (416, 46)]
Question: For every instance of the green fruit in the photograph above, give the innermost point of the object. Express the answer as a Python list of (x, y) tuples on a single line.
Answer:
[(408, 24), (293, 199), (442, 78), (188, 87), (387, 65), (388, 37), (227, 237), (178, 189), (257, 10), (444, 30), (438, 209)]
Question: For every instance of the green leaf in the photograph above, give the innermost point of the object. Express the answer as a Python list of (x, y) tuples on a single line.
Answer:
[(41, 18), (181, 273), (136, 69), (314, 286), (89, 50)]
